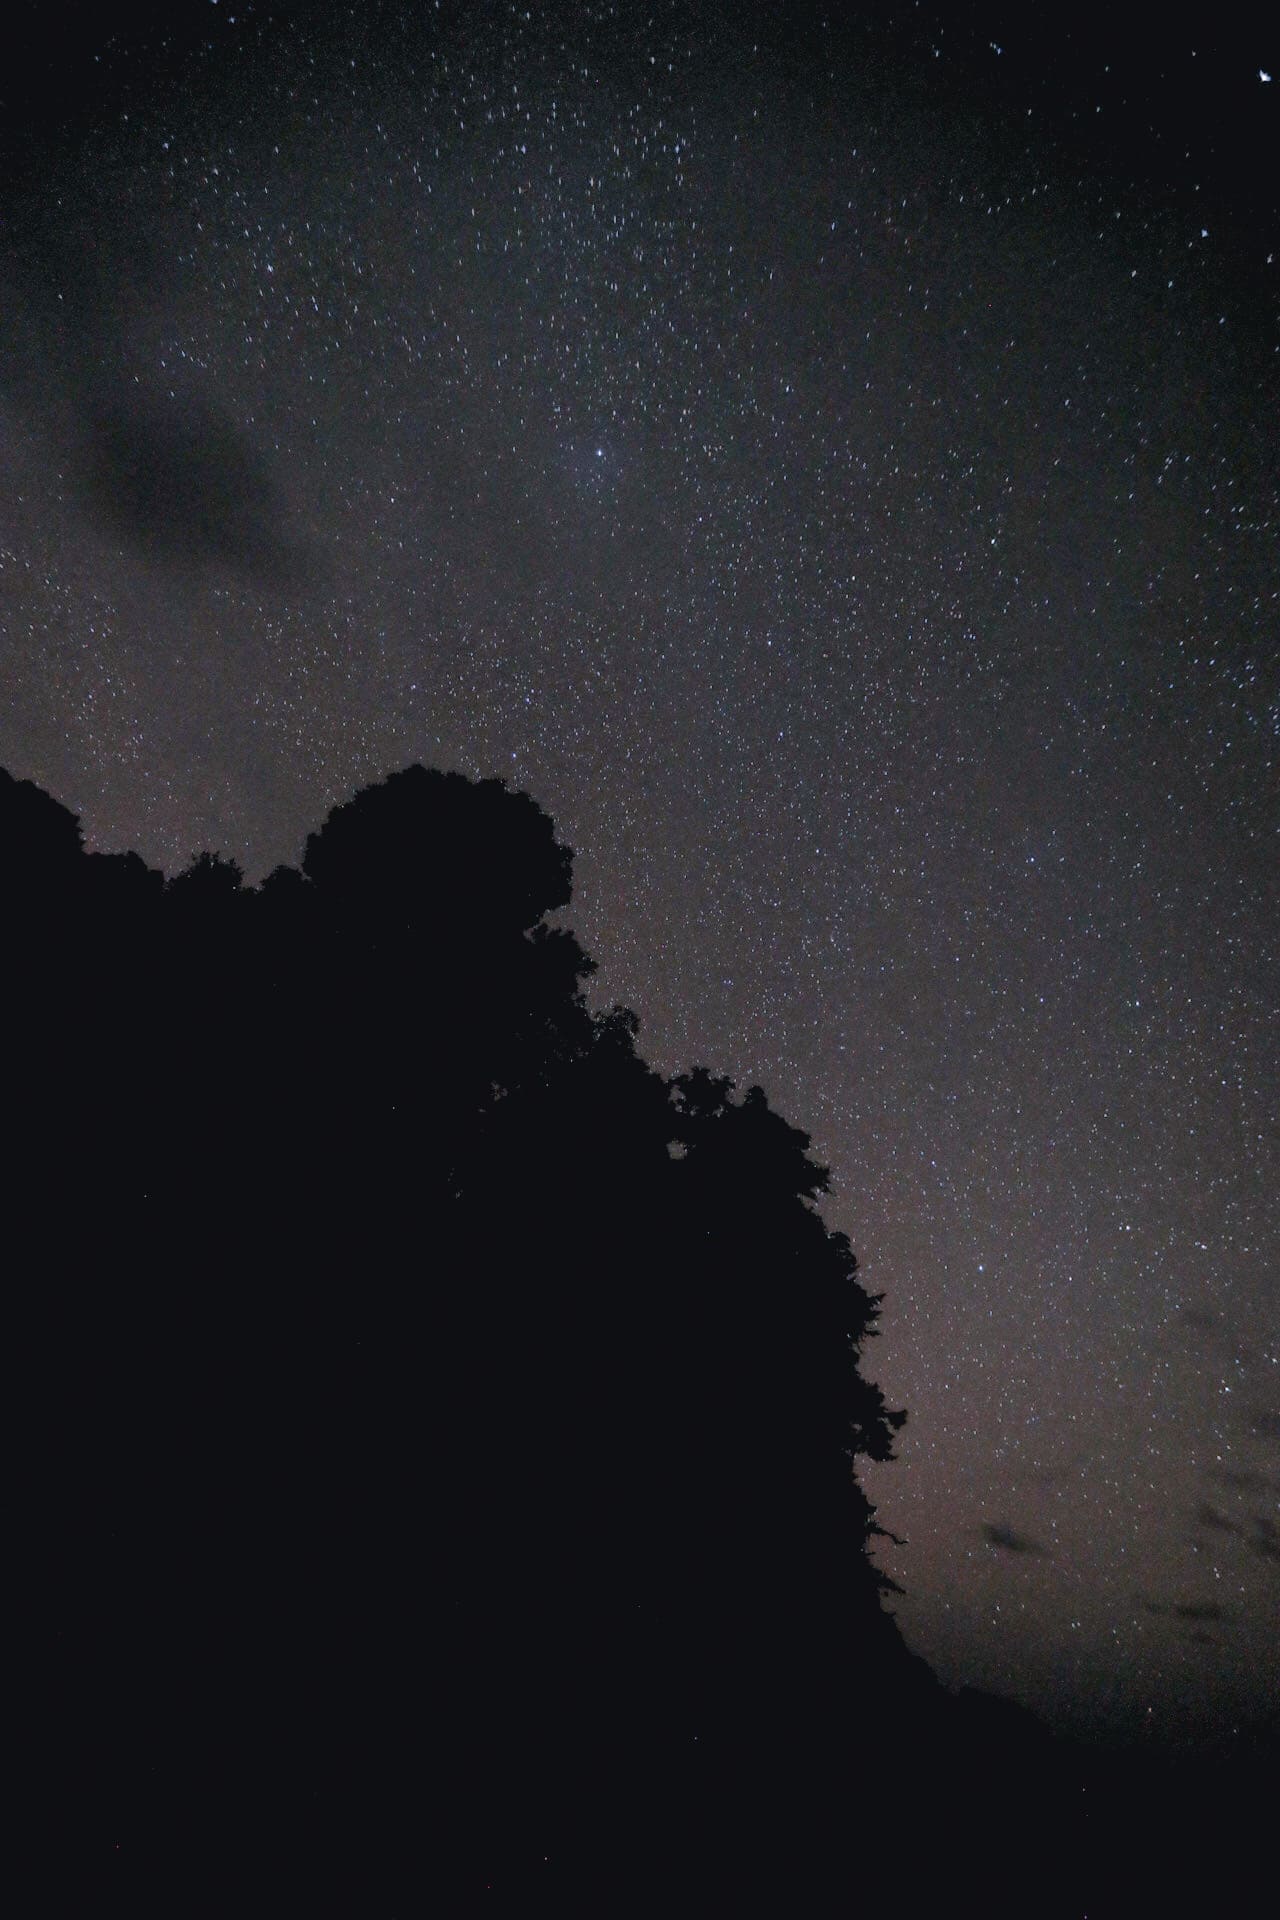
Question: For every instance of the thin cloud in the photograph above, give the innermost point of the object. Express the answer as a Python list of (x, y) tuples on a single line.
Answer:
[(1207, 1516), (186, 485), (1266, 1538), (1243, 1480), (1010, 1542)]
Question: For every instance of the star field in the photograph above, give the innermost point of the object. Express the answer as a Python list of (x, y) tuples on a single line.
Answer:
[(835, 473)]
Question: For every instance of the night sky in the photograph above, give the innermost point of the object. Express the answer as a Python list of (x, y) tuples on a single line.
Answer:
[(834, 470)]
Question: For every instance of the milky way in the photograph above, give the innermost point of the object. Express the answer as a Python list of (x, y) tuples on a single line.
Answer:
[(836, 475)]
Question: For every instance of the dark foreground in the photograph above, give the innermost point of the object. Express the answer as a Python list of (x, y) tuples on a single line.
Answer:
[(436, 1437)]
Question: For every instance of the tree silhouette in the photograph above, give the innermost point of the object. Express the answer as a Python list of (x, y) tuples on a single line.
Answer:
[(443, 1427)]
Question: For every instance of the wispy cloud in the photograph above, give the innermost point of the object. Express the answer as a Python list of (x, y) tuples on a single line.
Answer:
[(1011, 1542)]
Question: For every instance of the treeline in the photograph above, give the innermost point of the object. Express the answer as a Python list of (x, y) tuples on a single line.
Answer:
[(438, 1427), (435, 1435)]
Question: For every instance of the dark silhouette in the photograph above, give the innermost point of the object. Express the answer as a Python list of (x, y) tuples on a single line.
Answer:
[(440, 1425), (438, 1431)]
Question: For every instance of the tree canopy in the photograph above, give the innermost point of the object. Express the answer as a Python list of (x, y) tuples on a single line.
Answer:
[(443, 1427)]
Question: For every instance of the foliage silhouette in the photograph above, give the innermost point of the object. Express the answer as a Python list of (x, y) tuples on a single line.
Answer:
[(444, 1422), (439, 1429)]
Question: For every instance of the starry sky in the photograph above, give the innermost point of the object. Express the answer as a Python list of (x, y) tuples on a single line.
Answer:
[(832, 464)]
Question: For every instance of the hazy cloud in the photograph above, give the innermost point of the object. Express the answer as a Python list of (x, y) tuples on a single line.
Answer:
[(1207, 1516), (1198, 1610), (1243, 1480), (1266, 1538), (187, 485), (1011, 1542)]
